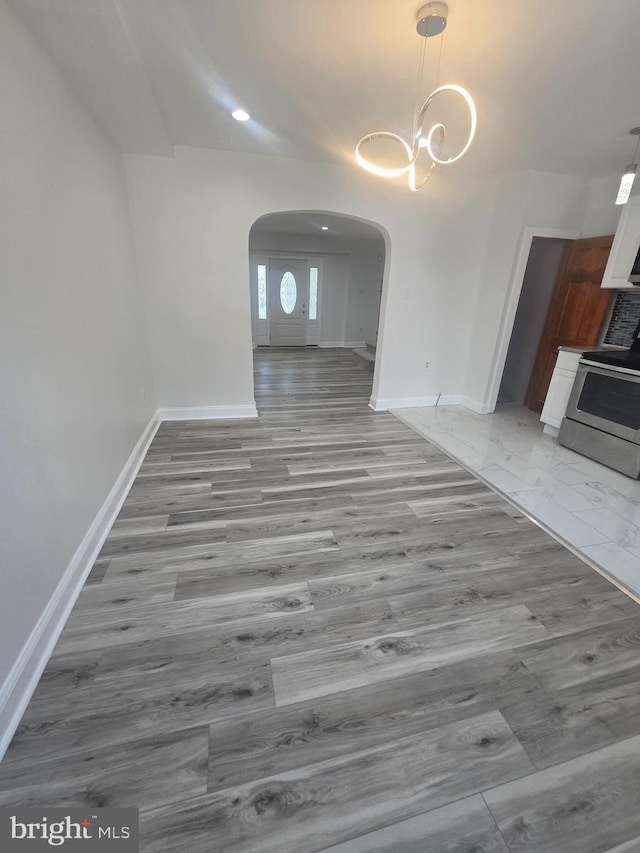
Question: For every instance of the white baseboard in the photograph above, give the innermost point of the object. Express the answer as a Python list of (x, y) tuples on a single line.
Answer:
[(17, 689), (363, 353), (383, 404), (198, 413), (341, 344), (450, 400), (474, 405)]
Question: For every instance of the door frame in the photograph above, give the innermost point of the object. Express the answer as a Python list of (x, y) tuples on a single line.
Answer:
[(260, 329), (281, 322), (511, 305)]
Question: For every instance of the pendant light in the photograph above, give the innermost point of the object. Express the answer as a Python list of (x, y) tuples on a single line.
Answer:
[(431, 21), (628, 176)]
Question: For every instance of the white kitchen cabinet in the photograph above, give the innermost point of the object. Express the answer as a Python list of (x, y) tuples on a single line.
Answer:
[(555, 403), (626, 243)]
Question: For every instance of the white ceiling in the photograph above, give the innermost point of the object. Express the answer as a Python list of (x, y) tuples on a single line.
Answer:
[(557, 84), (307, 223)]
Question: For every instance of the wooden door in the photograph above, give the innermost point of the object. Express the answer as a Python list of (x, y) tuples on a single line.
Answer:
[(578, 308)]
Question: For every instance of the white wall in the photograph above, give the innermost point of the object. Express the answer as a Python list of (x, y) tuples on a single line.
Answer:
[(72, 342), (192, 216), (366, 271), (335, 289), (601, 214)]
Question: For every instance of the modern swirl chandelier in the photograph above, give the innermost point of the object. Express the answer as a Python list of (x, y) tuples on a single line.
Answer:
[(629, 174), (432, 20)]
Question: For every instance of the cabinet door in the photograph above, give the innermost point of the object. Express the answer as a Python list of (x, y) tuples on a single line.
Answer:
[(555, 404), (625, 247)]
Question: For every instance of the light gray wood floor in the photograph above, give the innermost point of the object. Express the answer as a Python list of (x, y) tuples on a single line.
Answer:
[(315, 632)]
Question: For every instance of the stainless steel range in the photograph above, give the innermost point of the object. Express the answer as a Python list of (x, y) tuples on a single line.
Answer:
[(602, 420)]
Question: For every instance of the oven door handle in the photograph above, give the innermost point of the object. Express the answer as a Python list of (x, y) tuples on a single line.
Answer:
[(610, 368)]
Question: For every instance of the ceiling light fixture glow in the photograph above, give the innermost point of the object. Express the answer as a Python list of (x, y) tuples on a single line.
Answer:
[(432, 20), (629, 174), (626, 182), (324, 227), (240, 115)]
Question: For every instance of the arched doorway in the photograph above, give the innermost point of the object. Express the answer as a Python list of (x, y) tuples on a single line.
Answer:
[(316, 280)]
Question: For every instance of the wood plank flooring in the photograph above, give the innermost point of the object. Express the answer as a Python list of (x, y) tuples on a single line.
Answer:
[(313, 631)]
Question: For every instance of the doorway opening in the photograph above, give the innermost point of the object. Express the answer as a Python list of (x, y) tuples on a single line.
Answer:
[(316, 279), (541, 272), (561, 304)]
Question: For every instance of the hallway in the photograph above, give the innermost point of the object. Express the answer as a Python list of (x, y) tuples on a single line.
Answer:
[(313, 631)]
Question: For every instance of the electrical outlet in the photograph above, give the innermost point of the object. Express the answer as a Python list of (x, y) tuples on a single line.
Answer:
[(426, 364)]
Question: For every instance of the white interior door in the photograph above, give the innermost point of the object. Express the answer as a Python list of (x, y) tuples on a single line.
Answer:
[(288, 301)]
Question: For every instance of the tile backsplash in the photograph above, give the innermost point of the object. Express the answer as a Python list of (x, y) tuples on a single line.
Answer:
[(624, 319)]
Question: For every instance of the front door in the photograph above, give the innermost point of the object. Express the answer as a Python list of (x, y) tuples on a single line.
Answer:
[(578, 309), (288, 300)]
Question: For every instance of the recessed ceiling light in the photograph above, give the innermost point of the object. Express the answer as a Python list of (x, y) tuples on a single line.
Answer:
[(324, 227), (240, 115)]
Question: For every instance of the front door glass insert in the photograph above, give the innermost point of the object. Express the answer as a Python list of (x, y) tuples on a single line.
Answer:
[(288, 292), (313, 293), (262, 292)]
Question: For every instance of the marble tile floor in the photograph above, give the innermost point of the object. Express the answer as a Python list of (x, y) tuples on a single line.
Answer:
[(587, 506)]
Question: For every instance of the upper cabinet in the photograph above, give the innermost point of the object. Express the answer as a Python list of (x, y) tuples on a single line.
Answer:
[(625, 247)]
